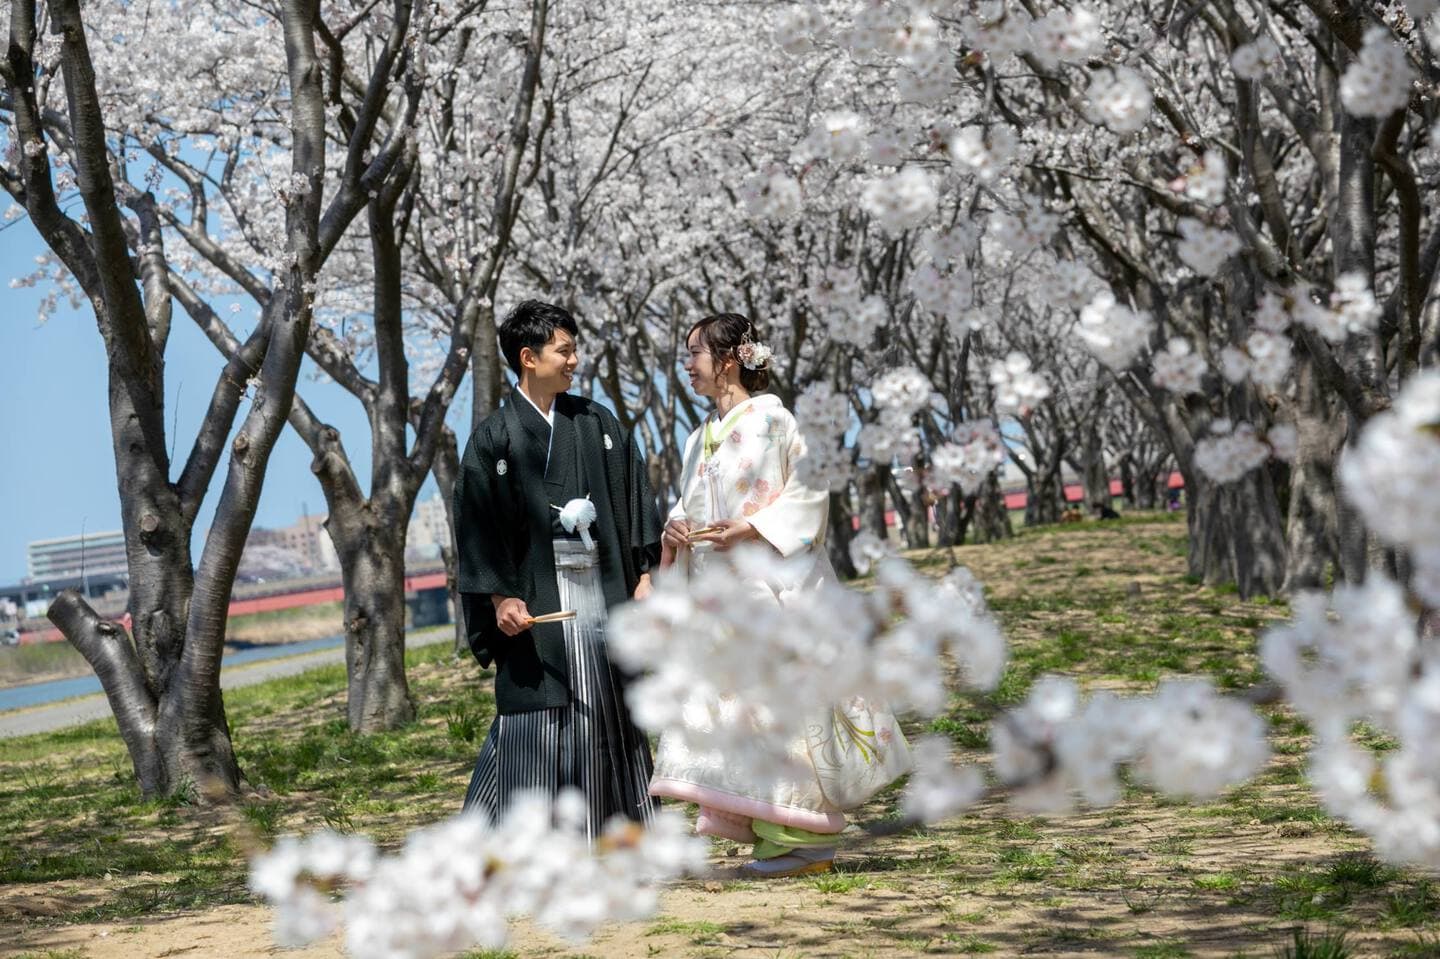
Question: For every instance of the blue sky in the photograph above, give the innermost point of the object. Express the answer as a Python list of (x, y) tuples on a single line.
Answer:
[(58, 470)]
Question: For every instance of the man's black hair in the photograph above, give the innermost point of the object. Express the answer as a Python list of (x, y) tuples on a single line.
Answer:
[(531, 324)]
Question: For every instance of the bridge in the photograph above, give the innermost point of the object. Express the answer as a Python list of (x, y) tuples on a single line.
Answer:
[(425, 593)]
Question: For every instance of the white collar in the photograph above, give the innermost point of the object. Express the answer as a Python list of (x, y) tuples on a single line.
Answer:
[(548, 417)]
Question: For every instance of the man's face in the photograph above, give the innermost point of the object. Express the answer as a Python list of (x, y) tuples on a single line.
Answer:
[(553, 368)]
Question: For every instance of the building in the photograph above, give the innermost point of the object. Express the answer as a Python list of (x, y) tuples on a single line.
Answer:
[(75, 557), (429, 530), (306, 540)]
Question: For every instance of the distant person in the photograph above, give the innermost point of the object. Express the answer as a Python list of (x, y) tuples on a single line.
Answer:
[(1104, 511), (1071, 514), (553, 513), (1172, 499)]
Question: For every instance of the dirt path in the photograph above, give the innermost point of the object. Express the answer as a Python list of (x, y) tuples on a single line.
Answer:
[(937, 894)]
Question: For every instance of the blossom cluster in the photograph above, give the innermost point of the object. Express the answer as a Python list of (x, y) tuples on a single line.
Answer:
[(975, 450), (1113, 332), (902, 201), (752, 670), (1120, 99), (1234, 449), (984, 152), (823, 416), (1060, 36), (1378, 82), (1185, 741), (1018, 388), (1205, 181), (1178, 368), (1264, 358), (944, 293), (1253, 60), (774, 195), (1390, 475), (1358, 654), (457, 884), (1025, 229), (1205, 248)]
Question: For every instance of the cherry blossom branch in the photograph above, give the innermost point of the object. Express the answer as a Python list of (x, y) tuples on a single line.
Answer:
[(129, 332), (242, 364), (61, 233)]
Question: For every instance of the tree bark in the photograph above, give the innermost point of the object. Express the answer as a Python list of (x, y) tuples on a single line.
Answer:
[(1312, 534), (446, 469), (872, 498), (373, 571), (1236, 533), (917, 522), (842, 532), (949, 519), (992, 518)]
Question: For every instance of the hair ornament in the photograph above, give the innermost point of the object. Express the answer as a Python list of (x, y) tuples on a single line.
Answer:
[(753, 355)]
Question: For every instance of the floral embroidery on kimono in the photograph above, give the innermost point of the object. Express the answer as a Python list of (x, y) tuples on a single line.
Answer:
[(750, 475)]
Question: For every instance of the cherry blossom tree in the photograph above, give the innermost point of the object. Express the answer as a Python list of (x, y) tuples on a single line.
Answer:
[(89, 99), (1218, 206)]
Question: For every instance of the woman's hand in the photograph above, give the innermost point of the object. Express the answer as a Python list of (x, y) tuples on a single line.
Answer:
[(729, 534), (673, 538)]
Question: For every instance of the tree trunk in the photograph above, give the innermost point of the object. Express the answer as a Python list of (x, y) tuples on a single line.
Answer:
[(1148, 490), (446, 469), (373, 570), (917, 522), (842, 531), (1093, 472), (872, 498), (1045, 499), (165, 689), (992, 518), (949, 522), (1127, 481), (1236, 533), (1312, 534)]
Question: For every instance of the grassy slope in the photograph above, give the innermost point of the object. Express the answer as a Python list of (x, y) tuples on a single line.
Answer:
[(1108, 603), (38, 662)]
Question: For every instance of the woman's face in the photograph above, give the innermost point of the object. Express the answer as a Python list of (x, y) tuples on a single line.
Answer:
[(705, 372)]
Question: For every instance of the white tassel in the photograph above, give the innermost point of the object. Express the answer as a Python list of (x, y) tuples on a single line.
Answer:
[(578, 514)]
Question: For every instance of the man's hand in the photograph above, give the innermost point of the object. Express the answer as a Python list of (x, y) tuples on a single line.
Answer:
[(673, 537), (729, 534), (511, 614), (644, 587)]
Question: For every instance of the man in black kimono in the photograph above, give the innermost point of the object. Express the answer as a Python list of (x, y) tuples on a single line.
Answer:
[(553, 513)]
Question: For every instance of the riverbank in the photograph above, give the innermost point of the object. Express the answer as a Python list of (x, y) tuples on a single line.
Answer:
[(47, 662)]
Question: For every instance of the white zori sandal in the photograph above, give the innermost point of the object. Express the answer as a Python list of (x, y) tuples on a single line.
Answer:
[(799, 862)]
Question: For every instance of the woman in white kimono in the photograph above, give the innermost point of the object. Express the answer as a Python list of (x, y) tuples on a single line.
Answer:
[(738, 485)]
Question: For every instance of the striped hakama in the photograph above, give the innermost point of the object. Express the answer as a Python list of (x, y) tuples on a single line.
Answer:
[(590, 743)]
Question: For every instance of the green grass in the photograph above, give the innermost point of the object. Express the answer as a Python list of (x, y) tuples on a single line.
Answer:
[(992, 880), (1308, 945), (698, 931), (282, 616), (838, 883), (1165, 949), (19, 664), (91, 825)]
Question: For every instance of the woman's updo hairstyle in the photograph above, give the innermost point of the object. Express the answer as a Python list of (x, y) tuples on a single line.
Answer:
[(722, 335)]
